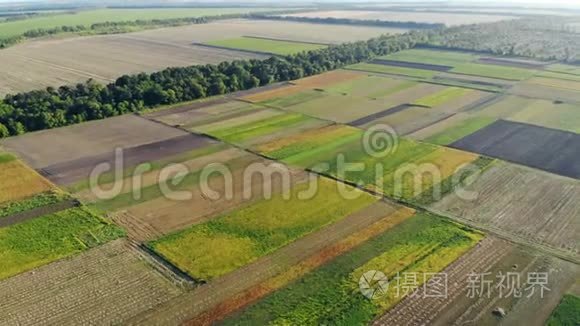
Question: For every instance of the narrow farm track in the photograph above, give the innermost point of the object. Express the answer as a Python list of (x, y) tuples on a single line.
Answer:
[(418, 309), (207, 296)]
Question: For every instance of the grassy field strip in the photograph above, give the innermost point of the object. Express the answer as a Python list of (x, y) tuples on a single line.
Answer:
[(265, 45), (557, 83), (391, 70), (249, 130), (499, 72), (567, 312), (40, 200), (18, 181), (81, 188), (28, 245), (558, 75), (370, 86), (442, 97), (449, 58), (154, 176), (246, 117), (236, 239), (306, 266), (456, 132), (152, 190), (273, 94), (294, 98), (330, 294)]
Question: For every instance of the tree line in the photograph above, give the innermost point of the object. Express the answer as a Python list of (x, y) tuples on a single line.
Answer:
[(348, 21), (66, 105), (121, 27)]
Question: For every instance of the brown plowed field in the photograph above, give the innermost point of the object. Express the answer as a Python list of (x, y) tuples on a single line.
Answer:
[(69, 172), (106, 285), (87, 139), (528, 204)]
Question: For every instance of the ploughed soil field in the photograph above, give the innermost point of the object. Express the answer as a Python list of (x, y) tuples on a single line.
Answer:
[(105, 285), (521, 202), (542, 148), (39, 64)]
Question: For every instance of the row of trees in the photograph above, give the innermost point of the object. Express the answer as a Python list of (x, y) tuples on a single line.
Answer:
[(57, 107), (348, 21), (121, 27)]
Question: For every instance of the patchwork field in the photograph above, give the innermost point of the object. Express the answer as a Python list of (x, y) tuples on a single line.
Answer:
[(104, 58), (107, 284), (213, 301), (418, 62), (542, 148), (449, 19), (256, 230), (330, 294), (262, 45), (524, 203), (27, 245), (462, 305), (413, 171)]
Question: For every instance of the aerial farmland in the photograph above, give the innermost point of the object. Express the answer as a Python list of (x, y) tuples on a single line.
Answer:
[(317, 166)]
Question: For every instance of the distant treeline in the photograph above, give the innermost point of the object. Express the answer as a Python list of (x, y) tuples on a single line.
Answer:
[(348, 21), (66, 105), (544, 38), (121, 27)]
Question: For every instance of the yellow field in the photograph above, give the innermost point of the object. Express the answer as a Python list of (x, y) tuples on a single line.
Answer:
[(268, 95), (557, 83), (329, 78), (18, 181)]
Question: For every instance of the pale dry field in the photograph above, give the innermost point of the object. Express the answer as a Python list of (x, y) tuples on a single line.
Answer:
[(106, 286), (48, 147), (523, 203), (448, 19), (57, 62)]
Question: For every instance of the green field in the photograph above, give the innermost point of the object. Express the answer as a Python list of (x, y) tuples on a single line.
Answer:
[(491, 71), (236, 239), (567, 313), (442, 97), (241, 133), (36, 242), (432, 57), (40, 200), (460, 130), (384, 69), (370, 86), (265, 45), (89, 17), (330, 295)]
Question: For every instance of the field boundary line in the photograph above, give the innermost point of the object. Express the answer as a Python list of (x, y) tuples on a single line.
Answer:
[(235, 49), (164, 267), (286, 40), (38, 212)]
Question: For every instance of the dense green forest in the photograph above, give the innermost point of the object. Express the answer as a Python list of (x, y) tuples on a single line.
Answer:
[(57, 107), (546, 38)]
